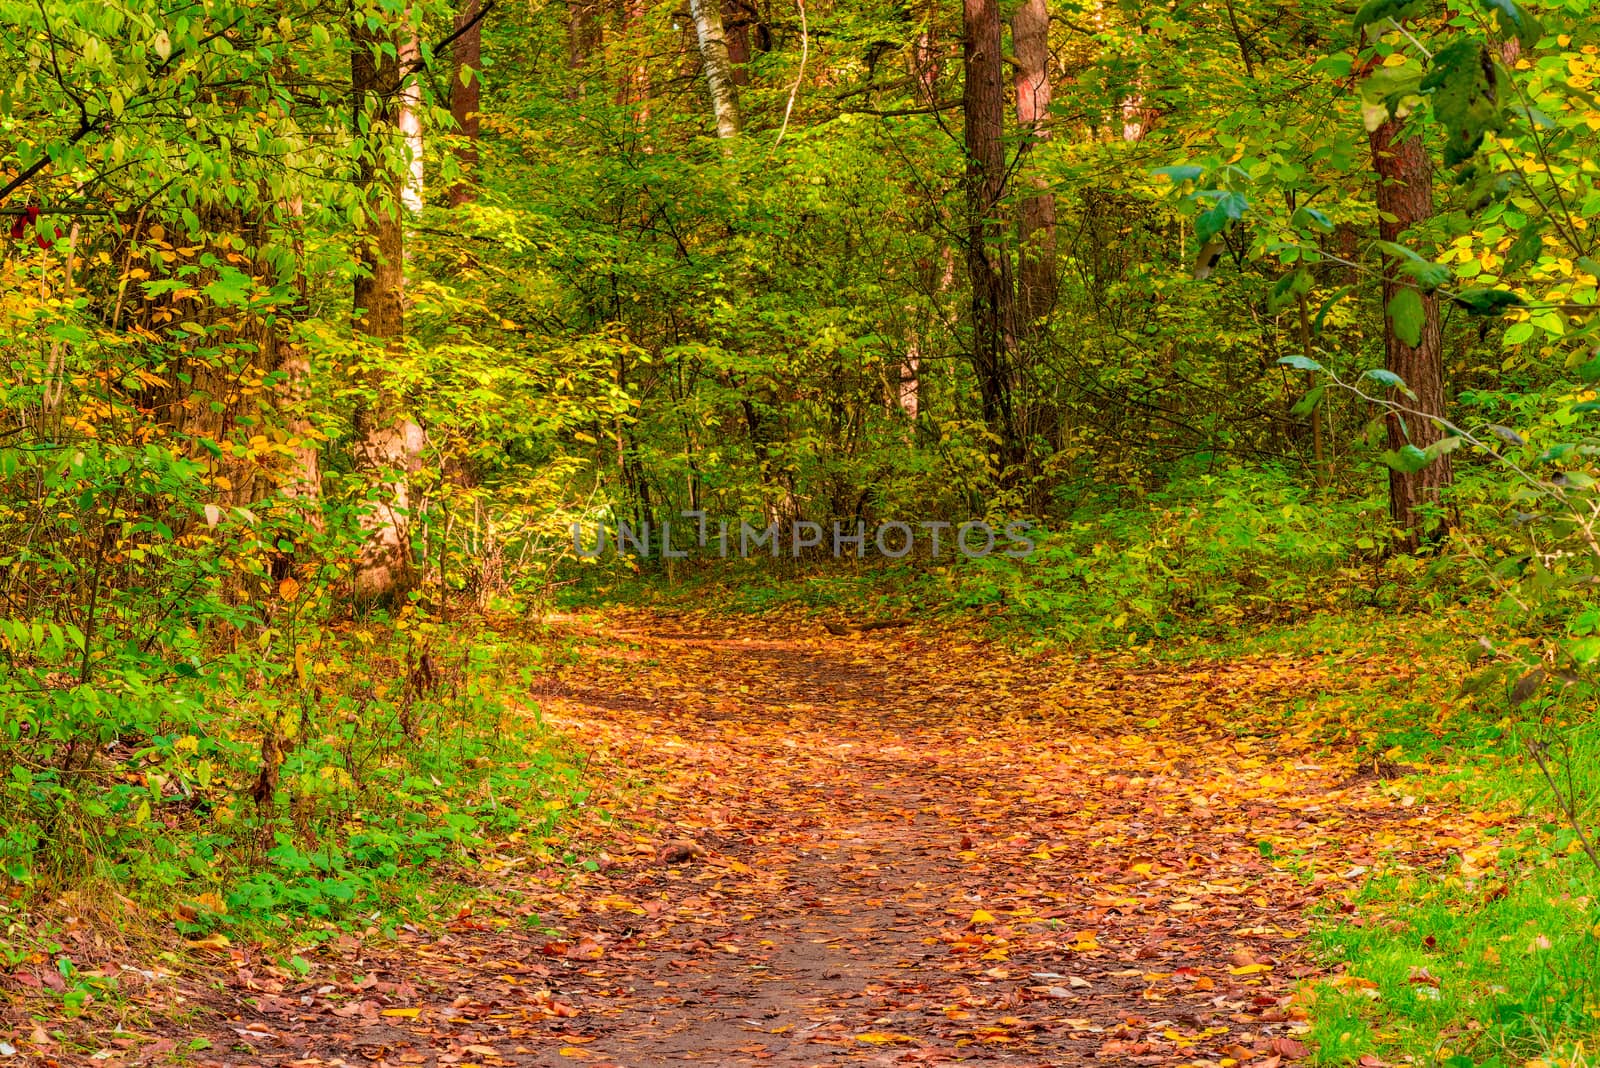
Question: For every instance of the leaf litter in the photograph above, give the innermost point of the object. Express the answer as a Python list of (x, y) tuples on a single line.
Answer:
[(889, 848)]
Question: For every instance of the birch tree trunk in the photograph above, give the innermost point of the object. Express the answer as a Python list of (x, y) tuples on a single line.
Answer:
[(1405, 199), (718, 66), (411, 122), (388, 443)]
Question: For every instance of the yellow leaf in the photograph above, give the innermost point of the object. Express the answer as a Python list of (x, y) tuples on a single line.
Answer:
[(215, 943), (409, 1014), (981, 916), (883, 1038), (1250, 969)]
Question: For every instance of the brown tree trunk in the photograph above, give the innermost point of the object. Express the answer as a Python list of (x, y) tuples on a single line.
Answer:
[(464, 94), (1405, 199), (736, 17), (1036, 215), (925, 60), (988, 262), (388, 444)]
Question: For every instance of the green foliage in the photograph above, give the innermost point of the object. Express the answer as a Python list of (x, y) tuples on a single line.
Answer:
[(1205, 557), (1466, 97)]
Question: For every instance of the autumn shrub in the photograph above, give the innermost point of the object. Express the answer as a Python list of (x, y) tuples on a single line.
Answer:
[(191, 703)]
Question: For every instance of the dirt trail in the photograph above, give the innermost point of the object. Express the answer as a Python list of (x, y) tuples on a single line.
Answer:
[(894, 848)]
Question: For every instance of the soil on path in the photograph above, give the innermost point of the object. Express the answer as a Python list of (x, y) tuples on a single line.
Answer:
[(893, 848)]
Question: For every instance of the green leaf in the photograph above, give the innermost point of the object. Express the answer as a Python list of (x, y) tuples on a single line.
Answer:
[(1289, 287), (1230, 207), (1385, 93), (1584, 650), (1428, 274), (1390, 379), (1408, 315), (1315, 218), (1184, 172), (1479, 301), (1526, 248), (1301, 363), (1464, 87), (1443, 447), (1514, 21), (1308, 403), (1383, 10), (1408, 459)]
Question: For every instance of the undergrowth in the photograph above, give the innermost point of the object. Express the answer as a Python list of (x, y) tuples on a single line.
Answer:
[(368, 777)]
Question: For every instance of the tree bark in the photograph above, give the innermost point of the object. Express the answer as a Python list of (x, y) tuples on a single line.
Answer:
[(410, 122), (925, 59), (717, 65), (388, 444), (467, 51), (1036, 215), (988, 262), (1405, 199), (736, 17)]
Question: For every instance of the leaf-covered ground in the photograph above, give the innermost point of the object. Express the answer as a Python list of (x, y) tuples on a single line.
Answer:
[(896, 847)]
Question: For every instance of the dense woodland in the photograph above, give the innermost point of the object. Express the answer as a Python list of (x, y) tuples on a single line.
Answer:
[(325, 322)]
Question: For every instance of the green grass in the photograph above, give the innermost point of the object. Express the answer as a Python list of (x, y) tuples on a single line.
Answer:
[(1498, 962)]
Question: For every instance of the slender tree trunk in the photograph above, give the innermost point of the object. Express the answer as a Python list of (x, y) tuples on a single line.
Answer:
[(583, 32), (1405, 199), (1036, 215), (988, 262), (925, 65), (464, 94), (410, 122), (718, 66), (633, 85), (388, 444)]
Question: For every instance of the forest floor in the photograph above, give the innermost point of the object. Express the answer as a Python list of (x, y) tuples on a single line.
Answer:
[(906, 846)]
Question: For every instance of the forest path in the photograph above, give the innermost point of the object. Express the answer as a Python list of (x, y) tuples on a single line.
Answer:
[(906, 847)]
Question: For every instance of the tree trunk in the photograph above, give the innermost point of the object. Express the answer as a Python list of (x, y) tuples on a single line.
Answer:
[(988, 262), (410, 122), (717, 65), (583, 32), (1405, 199), (464, 92), (925, 59), (388, 444), (736, 18), (1036, 215)]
